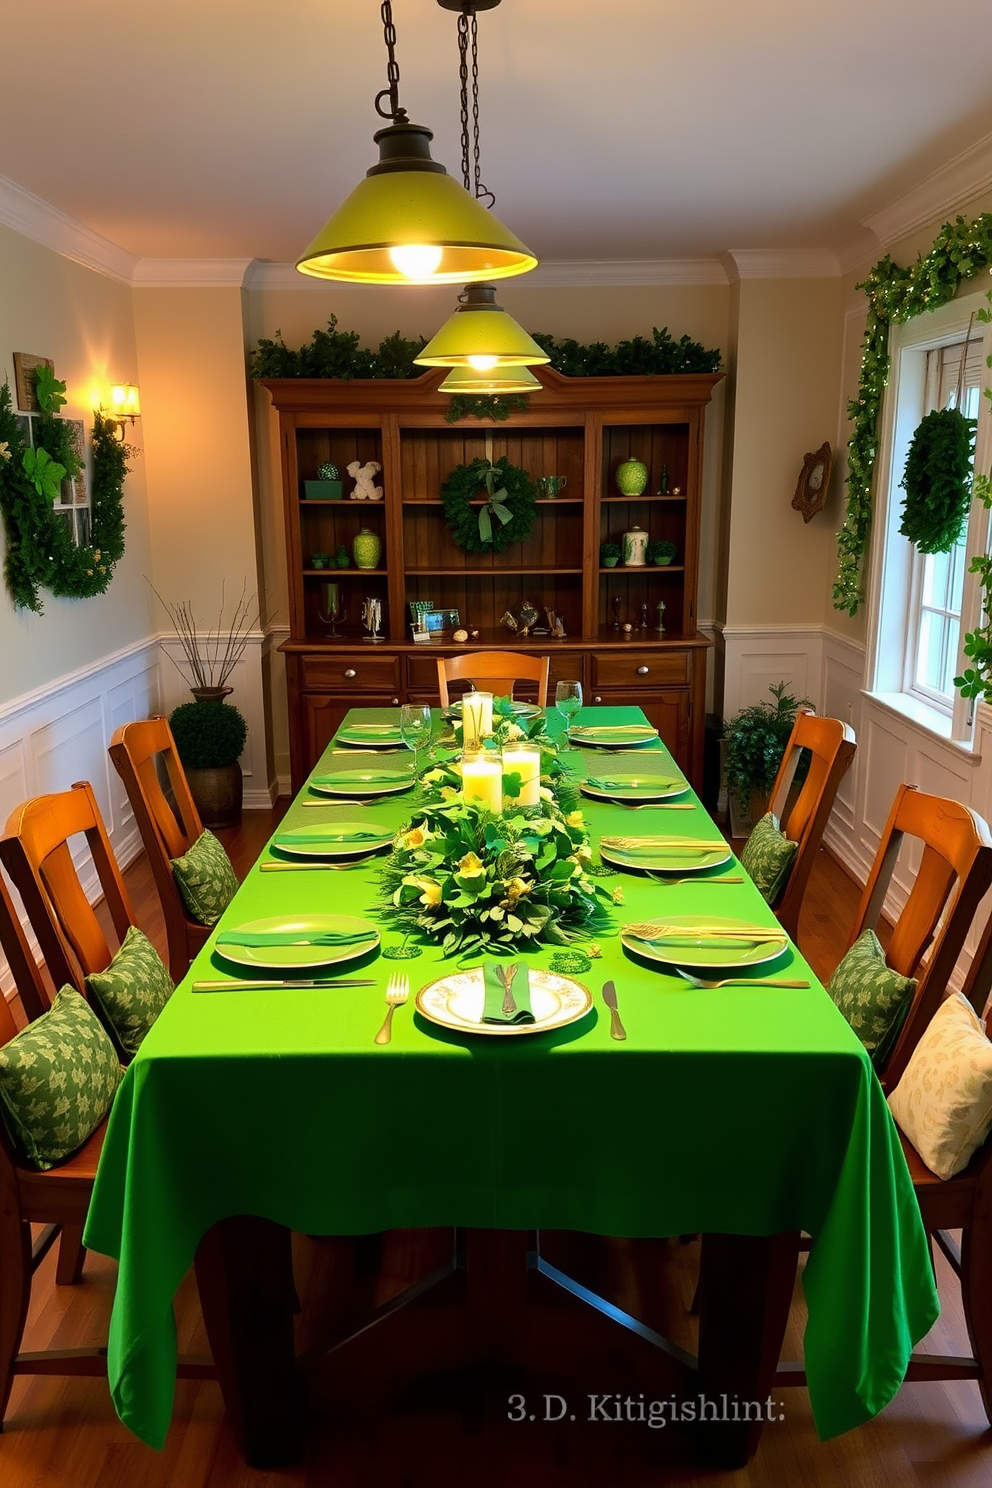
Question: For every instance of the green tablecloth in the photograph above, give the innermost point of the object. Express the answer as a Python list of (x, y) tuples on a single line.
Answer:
[(739, 1110)]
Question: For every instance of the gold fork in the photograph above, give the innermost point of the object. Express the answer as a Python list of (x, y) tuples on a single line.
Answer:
[(506, 975), (670, 883), (397, 992), (695, 981)]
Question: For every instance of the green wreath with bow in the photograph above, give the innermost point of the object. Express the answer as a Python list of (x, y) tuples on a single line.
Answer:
[(507, 512), (40, 551)]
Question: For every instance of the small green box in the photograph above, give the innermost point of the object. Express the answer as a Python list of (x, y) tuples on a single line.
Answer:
[(320, 490)]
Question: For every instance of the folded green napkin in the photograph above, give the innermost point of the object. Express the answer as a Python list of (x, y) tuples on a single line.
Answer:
[(660, 850), (289, 839), (390, 731), (345, 777), (492, 1011), (632, 783), (293, 937)]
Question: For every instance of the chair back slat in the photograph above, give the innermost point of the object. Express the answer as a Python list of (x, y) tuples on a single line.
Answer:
[(23, 968)]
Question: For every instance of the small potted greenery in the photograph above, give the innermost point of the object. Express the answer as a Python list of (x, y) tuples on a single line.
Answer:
[(210, 737), (327, 486), (661, 552), (320, 560), (342, 557), (754, 742), (609, 554)]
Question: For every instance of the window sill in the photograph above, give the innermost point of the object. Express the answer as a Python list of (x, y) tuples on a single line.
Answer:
[(927, 720)]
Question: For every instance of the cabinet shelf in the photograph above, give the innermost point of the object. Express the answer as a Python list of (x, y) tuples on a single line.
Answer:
[(489, 573), (618, 499), (343, 573), (540, 501), (644, 568)]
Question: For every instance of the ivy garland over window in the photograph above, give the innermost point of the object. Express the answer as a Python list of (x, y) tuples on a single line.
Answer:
[(895, 294), (507, 514), (40, 552)]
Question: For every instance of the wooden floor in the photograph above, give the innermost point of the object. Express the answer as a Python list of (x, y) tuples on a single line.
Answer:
[(65, 1432)]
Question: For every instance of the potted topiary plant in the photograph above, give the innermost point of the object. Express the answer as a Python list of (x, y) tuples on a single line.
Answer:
[(661, 552), (609, 554), (210, 737), (753, 745), (327, 487)]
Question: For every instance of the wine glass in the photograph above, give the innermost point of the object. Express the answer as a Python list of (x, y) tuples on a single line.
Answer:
[(568, 701), (415, 726)]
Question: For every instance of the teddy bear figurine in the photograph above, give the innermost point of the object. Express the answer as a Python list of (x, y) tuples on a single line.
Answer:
[(364, 477)]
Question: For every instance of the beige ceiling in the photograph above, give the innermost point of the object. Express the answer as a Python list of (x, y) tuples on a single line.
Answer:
[(621, 129)]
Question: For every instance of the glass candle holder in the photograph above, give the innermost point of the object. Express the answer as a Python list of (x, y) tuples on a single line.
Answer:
[(477, 718), (482, 780), (523, 758)]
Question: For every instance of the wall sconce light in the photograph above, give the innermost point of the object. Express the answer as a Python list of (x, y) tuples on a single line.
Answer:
[(125, 403)]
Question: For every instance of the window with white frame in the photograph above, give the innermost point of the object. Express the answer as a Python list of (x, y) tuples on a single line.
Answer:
[(922, 604)]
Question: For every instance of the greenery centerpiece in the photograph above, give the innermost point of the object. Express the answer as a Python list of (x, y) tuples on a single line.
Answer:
[(478, 881)]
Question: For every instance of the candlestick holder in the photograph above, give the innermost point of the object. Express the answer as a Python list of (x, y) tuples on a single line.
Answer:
[(616, 612), (660, 627)]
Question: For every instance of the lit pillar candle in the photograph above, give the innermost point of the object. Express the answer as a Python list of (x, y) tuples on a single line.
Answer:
[(482, 781), (477, 718), (523, 759)]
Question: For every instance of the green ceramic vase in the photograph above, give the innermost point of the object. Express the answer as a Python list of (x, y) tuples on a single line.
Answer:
[(367, 549), (632, 477)]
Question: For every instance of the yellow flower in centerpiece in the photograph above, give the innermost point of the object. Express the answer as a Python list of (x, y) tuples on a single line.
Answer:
[(416, 837), (470, 866), (617, 896), (431, 896), (516, 888), (514, 731), (545, 793), (575, 819), (584, 853)]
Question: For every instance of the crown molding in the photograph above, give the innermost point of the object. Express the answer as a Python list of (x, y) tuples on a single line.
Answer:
[(42, 223), (561, 274), (942, 192), (780, 263), (191, 273), (860, 252)]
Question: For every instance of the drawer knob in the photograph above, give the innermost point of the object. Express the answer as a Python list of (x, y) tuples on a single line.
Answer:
[(642, 671), (395, 701), (597, 699), (350, 673)]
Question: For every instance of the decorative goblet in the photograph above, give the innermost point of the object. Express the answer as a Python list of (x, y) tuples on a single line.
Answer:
[(415, 726), (332, 613)]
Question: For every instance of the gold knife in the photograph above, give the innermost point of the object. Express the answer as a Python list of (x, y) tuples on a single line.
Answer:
[(617, 1029), (260, 986)]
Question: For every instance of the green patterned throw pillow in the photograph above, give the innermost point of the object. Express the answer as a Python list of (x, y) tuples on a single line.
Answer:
[(768, 856), (57, 1080), (873, 998), (131, 992), (206, 879)]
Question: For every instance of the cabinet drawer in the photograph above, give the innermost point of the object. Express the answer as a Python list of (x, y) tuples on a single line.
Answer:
[(640, 669), (362, 672)]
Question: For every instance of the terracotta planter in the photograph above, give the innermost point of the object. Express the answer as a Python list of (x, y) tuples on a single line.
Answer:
[(217, 794)]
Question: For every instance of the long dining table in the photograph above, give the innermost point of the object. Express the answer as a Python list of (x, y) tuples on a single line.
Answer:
[(737, 1111)]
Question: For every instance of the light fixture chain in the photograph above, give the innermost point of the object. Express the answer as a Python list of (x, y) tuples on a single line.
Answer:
[(463, 93), (394, 112), (482, 191)]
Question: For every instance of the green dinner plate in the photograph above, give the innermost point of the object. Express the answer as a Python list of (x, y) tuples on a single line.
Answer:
[(631, 738), (323, 840), (299, 958), (360, 783), (374, 738), (668, 859), (636, 788), (706, 956)]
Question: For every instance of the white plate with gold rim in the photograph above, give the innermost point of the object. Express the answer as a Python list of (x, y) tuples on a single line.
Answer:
[(456, 1001)]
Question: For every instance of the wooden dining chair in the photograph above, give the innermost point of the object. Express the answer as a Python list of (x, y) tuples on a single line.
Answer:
[(954, 873), (35, 850), (38, 1208), (495, 672), (962, 1203), (138, 750), (831, 747)]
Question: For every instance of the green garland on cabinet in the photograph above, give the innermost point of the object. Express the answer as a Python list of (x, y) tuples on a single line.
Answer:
[(334, 353), (40, 552), (895, 294)]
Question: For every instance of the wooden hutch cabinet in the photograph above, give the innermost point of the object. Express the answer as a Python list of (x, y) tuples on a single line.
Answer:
[(580, 428)]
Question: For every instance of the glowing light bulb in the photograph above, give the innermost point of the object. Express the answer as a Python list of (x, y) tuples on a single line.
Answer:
[(483, 363), (416, 260)]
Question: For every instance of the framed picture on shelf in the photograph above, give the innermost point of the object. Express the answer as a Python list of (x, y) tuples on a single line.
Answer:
[(440, 625)]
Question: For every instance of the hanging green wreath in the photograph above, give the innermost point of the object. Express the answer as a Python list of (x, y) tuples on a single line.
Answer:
[(40, 551), (937, 480), (507, 513)]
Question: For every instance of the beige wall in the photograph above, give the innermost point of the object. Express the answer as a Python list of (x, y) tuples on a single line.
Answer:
[(786, 377), (51, 307)]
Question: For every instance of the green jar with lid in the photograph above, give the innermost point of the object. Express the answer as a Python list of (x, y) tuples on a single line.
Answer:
[(632, 477), (367, 548)]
